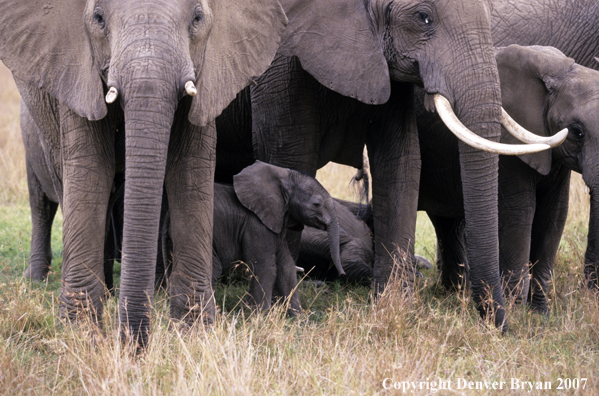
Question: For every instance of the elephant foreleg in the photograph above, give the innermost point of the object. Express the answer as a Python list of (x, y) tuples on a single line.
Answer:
[(547, 228), (189, 185), (452, 259), (88, 172), (394, 153)]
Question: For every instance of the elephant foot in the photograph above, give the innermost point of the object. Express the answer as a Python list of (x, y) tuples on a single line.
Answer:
[(37, 272), (542, 309), (191, 309), (79, 306)]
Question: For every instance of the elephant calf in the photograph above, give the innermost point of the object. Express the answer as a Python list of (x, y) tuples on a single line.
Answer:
[(356, 246), (545, 92), (251, 218)]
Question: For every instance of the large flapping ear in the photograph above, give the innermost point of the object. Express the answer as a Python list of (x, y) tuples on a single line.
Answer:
[(259, 188), (46, 45), (527, 75), (242, 43), (335, 42)]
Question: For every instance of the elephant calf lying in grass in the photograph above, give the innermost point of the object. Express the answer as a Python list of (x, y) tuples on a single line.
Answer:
[(251, 218), (356, 237), (544, 91)]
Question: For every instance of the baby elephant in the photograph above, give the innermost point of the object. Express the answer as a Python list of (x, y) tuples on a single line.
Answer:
[(356, 246), (251, 218)]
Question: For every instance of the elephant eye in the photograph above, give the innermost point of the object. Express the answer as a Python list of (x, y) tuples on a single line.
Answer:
[(198, 15), (577, 131), (99, 18), (424, 17)]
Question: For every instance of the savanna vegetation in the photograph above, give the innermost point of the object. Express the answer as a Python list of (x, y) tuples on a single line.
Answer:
[(342, 343)]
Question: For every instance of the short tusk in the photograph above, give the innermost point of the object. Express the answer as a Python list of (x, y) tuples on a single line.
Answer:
[(525, 136), (299, 269), (190, 88), (112, 95), (464, 134)]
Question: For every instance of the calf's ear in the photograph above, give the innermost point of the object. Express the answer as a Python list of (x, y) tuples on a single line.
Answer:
[(259, 188)]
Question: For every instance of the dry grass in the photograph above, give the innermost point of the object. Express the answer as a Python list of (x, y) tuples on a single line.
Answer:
[(341, 344)]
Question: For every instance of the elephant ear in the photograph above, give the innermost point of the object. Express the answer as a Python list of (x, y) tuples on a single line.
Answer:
[(260, 188), (335, 42), (45, 44), (241, 45), (527, 76)]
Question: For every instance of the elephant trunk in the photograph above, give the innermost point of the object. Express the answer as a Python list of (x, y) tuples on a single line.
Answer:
[(471, 84), (149, 104), (333, 233), (591, 257)]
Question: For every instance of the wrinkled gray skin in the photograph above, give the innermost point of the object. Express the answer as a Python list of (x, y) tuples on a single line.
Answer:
[(44, 200), (544, 91), (534, 22), (371, 50), (64, 58), (356, 247), (251, 219)]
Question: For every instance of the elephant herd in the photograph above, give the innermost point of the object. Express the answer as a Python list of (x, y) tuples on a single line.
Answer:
[(131, 105)]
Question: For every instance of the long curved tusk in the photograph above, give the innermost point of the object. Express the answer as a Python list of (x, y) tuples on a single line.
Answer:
[(112, 95), (525, 136), (190, 88), (464, 134)]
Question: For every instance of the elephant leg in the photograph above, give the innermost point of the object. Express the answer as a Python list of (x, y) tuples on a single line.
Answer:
[(189, 185), (394, 153), (286, 284), (43, 211), (264, 273), (547, 228), (452, 257), (165, 247), (87, 150), (516, 208)]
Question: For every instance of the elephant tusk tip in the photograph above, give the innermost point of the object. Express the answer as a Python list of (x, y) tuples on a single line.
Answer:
[(558, 138), (190, 88), (299, 269), (112, 95)]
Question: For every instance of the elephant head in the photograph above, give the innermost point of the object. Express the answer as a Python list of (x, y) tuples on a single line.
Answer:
[(150, 57), (284, 197), (547, 92)]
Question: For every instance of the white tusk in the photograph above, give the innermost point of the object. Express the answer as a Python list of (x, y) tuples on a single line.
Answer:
[(190, 88), (299, 269), (525, 136), (112, 95), (464, 134)]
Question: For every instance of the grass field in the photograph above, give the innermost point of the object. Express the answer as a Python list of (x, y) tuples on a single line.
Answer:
[(341, 344)]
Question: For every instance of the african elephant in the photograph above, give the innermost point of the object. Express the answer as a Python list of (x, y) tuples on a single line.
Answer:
[(355, 244), (315, 104), (251, 218), (546, 92), (84, 68), (528, 22)]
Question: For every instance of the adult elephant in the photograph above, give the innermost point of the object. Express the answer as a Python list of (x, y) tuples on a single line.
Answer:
[(314, 105), (70, 58), (528, 22), (547, 92)]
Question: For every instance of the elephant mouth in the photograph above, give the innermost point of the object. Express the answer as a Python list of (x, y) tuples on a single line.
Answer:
[(534, 143)]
